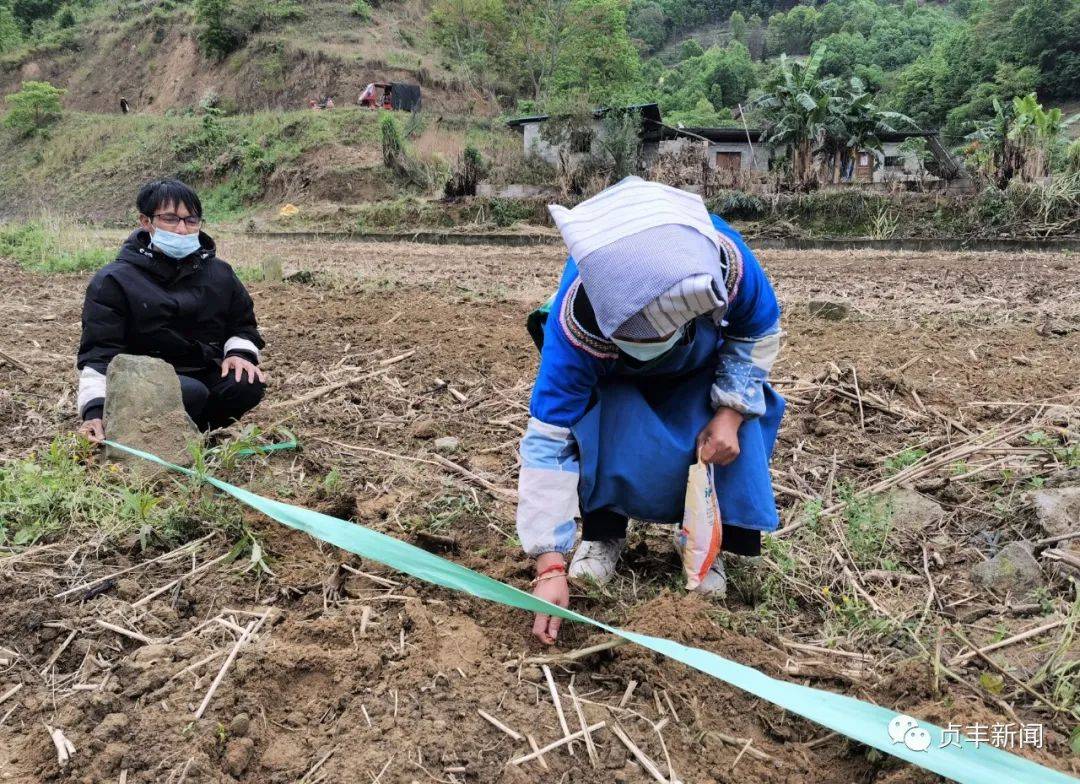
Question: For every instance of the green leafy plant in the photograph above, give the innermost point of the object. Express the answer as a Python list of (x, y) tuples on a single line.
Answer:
[(34, 108), (867, 529), (361, 9), (908, 457)]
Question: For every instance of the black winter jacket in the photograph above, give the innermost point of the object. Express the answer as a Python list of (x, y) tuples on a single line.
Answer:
[(191, 313)]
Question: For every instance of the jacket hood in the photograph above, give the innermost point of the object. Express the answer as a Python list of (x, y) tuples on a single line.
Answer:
[(136, 250)]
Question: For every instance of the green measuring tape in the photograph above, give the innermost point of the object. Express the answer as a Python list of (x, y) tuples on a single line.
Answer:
[(947, 754)]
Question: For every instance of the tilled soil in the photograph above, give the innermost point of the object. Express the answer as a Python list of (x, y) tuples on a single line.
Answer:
[(358, 674)]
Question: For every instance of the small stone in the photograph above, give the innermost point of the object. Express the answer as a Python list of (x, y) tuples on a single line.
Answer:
[(239, 725), (238, 755), (830, 311), (912, 511), (447, 444), (150, 655), (144, 410), (128, 589), (1057, 510), (1013, 568)]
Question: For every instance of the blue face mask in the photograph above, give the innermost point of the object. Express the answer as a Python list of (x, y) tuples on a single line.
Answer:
[(178, 246), (645, 352)]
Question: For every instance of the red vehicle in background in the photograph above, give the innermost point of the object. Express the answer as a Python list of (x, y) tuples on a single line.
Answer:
[(383, 95)]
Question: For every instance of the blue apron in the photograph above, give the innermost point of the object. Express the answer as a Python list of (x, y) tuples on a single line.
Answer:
[(638, 439)]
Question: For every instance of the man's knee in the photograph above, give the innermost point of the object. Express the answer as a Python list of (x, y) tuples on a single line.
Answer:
[(245, 394), (195, 395)]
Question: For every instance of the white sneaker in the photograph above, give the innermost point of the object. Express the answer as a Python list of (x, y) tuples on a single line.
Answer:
[(596, 560), (715, 582)]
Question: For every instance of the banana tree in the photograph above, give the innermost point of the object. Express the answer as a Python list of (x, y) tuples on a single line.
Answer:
[(1018, 141), (799, 107), (855, 124)]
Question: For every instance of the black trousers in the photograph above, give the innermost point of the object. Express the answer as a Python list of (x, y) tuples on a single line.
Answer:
[(605, 524), (212, 401)]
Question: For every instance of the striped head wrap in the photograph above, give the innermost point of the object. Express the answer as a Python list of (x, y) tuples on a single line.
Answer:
[(648, 255)]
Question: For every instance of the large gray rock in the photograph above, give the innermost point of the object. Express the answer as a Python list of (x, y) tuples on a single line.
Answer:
[(1057, 510), (144, 410), (1014, 568), (912, 511)]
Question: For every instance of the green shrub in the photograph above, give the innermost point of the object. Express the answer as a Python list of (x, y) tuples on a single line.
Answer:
[(467, 172), (34, 108), (507, 212), (226, 26), (393, 146), (361, 10), (216, 36), (738, 205)]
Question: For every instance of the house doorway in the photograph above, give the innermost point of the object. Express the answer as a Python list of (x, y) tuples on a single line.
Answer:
[(864, 166), (728, 167)]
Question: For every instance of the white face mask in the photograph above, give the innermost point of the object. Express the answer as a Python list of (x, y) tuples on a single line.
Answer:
[(644, 352)]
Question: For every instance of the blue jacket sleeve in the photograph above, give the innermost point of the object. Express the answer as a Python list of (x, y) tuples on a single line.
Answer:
[(751, 335)]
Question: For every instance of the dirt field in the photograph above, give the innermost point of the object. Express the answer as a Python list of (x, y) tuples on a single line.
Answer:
[(359, 675)]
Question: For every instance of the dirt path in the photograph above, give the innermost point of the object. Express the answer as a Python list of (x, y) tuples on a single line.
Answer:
[(945, 347)]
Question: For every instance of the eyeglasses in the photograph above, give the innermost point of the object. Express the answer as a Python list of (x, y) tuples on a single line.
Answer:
[(172, 219)]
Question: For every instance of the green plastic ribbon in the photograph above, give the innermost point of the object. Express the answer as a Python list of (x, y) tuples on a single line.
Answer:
[(956, 758)]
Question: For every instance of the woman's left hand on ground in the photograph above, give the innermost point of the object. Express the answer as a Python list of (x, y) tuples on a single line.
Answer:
[(239, 366), (718, 443)]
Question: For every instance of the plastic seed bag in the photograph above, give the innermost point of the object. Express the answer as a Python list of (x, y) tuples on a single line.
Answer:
[(699, 537)]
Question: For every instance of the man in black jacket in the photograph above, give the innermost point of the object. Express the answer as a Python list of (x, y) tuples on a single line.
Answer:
[(168, 295)]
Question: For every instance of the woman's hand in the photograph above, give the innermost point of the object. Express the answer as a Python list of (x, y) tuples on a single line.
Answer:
[(552, 588), (94, 430), (239, 366), (718, 443)]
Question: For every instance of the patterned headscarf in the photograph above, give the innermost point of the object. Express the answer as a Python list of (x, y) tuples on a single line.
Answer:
[(648, 256)]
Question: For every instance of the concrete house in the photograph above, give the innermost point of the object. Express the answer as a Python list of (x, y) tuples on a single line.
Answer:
[(739, 154), (585, 142)]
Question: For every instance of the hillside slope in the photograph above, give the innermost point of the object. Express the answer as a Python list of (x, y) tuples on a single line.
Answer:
[(154, 60)]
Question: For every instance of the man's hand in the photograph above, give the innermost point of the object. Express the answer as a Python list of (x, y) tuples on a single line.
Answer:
[(239, 366), (94, 430), (552, 588), (718, 443)]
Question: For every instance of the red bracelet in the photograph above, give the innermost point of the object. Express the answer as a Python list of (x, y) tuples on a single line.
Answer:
[(552, 568)]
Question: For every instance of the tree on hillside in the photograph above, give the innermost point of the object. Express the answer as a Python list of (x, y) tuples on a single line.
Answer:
[(542, 47), (647, 23), (215, 37), (597, 58), (792, 32), (737, 27), (10, 32), (696, 91), (34, 108)]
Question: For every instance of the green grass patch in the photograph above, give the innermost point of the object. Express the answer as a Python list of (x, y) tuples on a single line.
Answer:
[(868, 525), (59, 491), (908, 457), (52, 246)]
